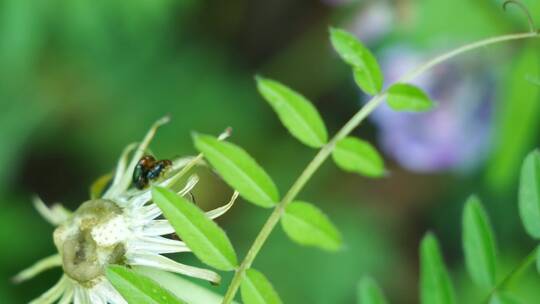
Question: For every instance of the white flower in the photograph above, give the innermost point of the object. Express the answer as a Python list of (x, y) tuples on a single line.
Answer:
[(120, 227)]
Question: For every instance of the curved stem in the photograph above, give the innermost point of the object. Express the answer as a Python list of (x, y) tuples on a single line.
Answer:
[(326, 150), (524, 9), (514, 274)]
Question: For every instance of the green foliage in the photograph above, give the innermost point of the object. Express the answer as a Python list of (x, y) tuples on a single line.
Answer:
[(369, 292), (538, 259), (503, 298), (367, 72), (480, 257), (459, 20), (301, 221), (182, 287), (296, 113), (356, 155), (17, 124), (307, 225), (203, 236), (256, 289), (517, 120), (137, 288), (435, 284), (409, 98), (239, 170), (370, 78), (478, 244), (533, 80), (529, 194)]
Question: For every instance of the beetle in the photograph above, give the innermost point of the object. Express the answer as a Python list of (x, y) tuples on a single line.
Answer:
[(157, 170), (148, 169)]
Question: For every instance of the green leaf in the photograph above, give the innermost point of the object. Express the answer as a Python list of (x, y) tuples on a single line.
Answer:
[(182, 287), (517, 118), (538, 259), (239, 170), (478, 244), (435, 284), (355, 155), (256, 289), (369, 292), (204, 237), (408, 98), (533, 80), (137, 288), (296, 113), (503, 298), (371, 84), (529, 194), (307, 225), (367, 72)]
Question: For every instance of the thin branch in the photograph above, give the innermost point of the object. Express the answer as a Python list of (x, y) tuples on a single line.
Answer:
[(325, 151)]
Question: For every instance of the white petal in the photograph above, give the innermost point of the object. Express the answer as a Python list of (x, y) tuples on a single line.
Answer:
[(181, 162), (53, 294), (173, 182), (140, 199), (145, 196), (96, 298), (191, 183), (125, 180), (157, 227), (163, 263), (110, 294), (81, 296), (212, 214), (67, 297), (120, 168), (77, 295), (225, 134), (156, 245), (169, 181), (149, 213), (38, 267), (55, 215), (61, 213)]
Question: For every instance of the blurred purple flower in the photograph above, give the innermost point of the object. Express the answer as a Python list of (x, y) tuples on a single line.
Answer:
[(373, 21), (455, 135), (370, 21)]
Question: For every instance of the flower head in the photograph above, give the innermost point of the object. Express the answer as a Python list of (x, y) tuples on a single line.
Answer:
[(119, 226)]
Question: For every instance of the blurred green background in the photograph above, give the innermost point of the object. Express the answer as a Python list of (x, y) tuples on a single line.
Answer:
[(80, 79)]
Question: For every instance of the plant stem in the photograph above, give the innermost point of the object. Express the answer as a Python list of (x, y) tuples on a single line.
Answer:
[(326, 150), (514, 274)]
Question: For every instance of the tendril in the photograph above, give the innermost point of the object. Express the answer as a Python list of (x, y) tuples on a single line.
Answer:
[(525, 10)]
